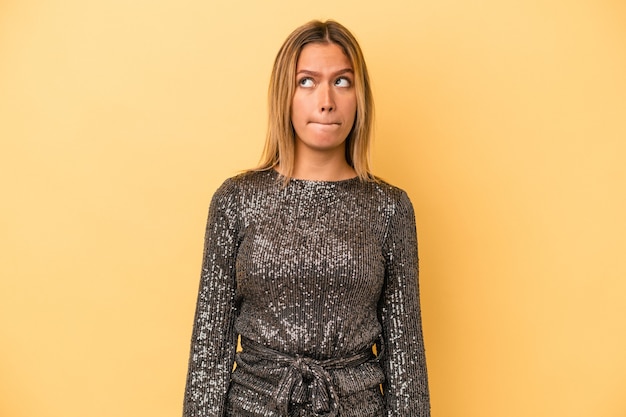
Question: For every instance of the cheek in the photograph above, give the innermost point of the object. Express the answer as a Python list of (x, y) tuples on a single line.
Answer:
[(297, 109), (350, 104), (353, 110)]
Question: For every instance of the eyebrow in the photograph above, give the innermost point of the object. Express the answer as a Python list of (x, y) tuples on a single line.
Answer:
[(315, 73)]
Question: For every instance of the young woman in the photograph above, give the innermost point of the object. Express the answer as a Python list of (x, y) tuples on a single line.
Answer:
[(310, 259)]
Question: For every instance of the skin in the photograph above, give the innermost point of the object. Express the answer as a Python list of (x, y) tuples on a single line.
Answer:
[(323, 112)]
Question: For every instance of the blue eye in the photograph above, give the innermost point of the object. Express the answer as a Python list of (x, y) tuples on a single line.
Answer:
[(305, 82), (343, 82)]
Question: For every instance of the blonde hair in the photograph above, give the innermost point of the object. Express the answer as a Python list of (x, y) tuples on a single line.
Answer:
[(280, 140)]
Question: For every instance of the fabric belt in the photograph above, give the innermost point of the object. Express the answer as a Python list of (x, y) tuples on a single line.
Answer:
[(306, 379)]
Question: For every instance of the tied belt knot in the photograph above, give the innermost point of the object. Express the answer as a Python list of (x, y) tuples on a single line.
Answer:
[(304, 377), (306, 380)]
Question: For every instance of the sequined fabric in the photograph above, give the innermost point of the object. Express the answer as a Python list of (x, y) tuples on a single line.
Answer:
[(307, 382), (316, 270)]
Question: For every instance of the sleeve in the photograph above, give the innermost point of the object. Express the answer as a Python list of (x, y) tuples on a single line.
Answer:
[(214, 340), (403, 359)]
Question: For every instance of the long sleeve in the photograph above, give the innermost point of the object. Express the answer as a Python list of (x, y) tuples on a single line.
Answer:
[(213, 342), (404, 363)]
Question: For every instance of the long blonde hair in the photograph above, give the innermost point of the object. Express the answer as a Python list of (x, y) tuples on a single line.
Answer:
[(280, 140)]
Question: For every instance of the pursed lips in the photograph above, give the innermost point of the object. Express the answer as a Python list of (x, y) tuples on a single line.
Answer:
[(325, 123)]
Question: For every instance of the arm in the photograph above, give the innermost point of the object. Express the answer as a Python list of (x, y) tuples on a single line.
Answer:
[(214, 339), (404, 363)]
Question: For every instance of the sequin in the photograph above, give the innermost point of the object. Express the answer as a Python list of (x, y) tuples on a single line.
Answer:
[(317, 270)]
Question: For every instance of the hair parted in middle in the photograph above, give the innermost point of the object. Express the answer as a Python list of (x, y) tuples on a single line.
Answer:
[(280, 141)]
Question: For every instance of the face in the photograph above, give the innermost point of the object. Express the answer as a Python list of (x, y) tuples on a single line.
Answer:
[(324, 103)]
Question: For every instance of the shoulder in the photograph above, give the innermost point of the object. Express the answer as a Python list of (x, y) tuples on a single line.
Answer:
[(400, 221), (243, 185), (243, 181), (395, 197)]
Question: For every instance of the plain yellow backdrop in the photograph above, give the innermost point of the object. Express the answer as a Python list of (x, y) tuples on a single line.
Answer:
[(505, 120)]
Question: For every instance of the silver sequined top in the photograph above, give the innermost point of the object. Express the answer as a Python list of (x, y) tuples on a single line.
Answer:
[(314, 269)]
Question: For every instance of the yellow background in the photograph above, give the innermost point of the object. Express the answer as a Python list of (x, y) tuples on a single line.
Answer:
[(505, 120)]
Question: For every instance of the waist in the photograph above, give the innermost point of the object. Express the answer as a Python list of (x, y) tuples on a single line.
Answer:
[(295, 380), (251, 348)]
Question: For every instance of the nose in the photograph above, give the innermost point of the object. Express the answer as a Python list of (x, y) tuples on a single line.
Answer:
[(326, 98)]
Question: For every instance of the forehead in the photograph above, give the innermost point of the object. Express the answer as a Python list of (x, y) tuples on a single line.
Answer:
[(323, 55)]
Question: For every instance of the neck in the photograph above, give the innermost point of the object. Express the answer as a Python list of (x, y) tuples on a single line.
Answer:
[(322, 166)]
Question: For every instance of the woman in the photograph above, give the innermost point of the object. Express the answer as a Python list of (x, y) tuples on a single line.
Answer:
[(311, 259)]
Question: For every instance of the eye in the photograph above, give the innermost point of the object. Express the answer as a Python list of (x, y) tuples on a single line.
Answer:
[(343, 82), (305, 82)]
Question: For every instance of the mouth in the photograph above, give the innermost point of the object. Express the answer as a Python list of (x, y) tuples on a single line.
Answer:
[(326, 123)]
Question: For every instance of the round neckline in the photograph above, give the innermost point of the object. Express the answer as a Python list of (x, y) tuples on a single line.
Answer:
[(277, 174)]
